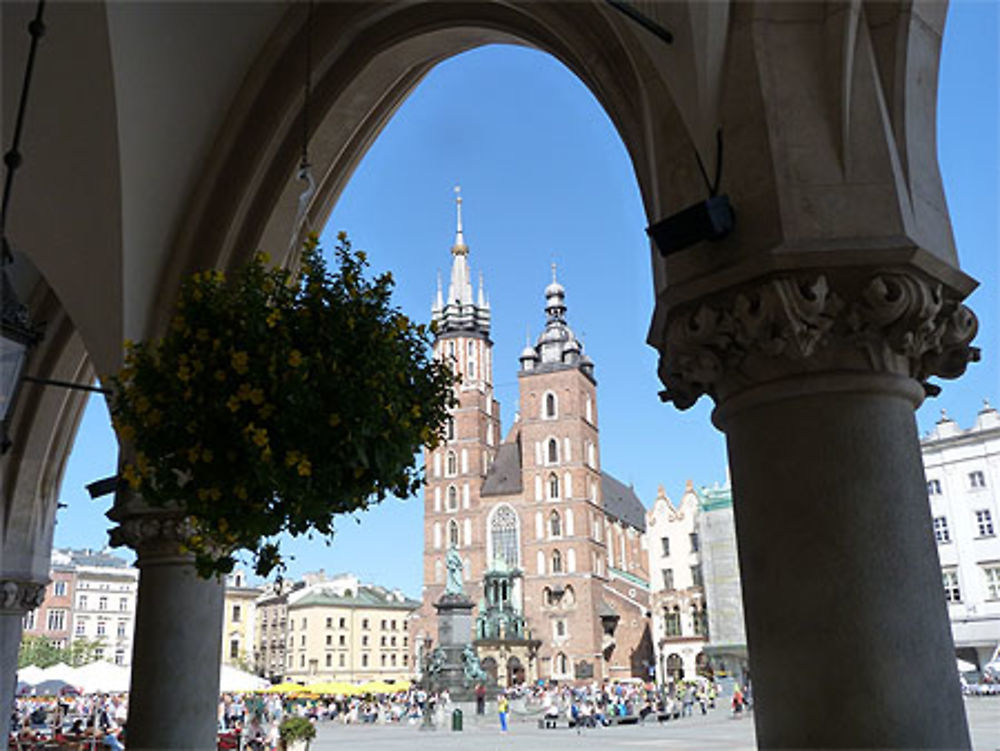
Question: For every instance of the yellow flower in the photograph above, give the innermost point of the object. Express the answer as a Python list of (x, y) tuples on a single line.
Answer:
[(273, 318), (193, 454), (265, 455), (291, 458), (131, 476), (240, 492), (295, 358), (305, 467), (260, 437), (184, 373), (256, 396), (240, 362), (264, 257)]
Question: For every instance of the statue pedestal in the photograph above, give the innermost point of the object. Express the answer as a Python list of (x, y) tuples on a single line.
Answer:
[(454, 611)]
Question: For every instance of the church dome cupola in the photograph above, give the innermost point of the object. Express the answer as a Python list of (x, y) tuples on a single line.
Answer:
[(557, 346)]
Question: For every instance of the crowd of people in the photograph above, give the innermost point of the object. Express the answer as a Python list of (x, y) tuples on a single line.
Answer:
[(252, 721)]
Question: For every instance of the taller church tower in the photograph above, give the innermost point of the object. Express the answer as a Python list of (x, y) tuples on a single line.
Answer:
[(456, 468)]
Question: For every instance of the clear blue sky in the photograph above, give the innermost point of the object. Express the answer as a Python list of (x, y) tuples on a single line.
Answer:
[(545, 178)]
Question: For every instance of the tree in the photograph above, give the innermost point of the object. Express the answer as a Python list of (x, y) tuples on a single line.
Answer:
[(41, 652)]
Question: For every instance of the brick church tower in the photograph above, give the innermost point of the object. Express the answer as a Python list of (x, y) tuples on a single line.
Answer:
[(535, 510), (456, 469)]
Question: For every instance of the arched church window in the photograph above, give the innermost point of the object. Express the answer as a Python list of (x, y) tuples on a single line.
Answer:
[(569, 597), (556, 562), (550, 405), (553, 486), (547, 596), (555, 524), (562, 664), (453, 533), (504, 544), (553, 451), (452, 498), (451, 464)]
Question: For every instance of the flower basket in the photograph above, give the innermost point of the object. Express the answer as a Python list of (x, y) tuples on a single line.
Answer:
[(296, 733), (277, 401)]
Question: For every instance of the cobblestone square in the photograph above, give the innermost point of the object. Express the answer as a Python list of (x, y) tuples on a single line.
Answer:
[(713, 732)]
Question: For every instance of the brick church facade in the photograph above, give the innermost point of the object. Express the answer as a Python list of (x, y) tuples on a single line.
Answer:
[(537, 502)]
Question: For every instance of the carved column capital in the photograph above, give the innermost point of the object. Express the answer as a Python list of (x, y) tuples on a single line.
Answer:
[(18, 596), (157, 536), (890, 322)]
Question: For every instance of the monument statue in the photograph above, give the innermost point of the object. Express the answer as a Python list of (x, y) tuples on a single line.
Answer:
[(474, 672), (453, 562)]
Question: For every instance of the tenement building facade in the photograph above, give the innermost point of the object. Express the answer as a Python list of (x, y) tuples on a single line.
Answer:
[(963, 473), (536, 503)]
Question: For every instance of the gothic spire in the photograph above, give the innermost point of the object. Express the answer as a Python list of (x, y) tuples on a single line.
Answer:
[(460, 310)]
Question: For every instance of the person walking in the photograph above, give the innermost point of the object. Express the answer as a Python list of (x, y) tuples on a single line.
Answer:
[(480, 699), (502, 708)]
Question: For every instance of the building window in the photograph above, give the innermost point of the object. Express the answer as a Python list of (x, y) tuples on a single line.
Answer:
[(984, 521), (452, 498), (453, 533), (342, 640), (556, 562), (329, 640), (668, 578), (329, 661), (329, 622), (941, 533), (383, 642), (81, 627), (119, 657), (340, 660), (977, 479), (29, 621), (122, 626), (550, 405), (672, 621), (302, 661), (696, 579), (553, 486), (343, 623), (236, 613), (392, 625), (302, 640), (364, 641), (101, 628), (123, 604), (665, 546), (562, 664), (102, 603), (234, 649), (56, 620), (553, 451), (589, 410), (992, 573), (560, 628), (59, 589), (304, 622), (450, 429), (555, 524), (694, 542), (952, 593), (364, 661), (933, 487), (451, 464), (699, 617), (99, 653), (83, 602), (503, 536)]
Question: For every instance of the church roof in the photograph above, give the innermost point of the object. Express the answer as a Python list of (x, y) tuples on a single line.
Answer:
[(557, 347), (504, 475), (621, 502)]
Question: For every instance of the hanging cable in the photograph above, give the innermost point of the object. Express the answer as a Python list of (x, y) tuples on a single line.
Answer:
[(12, 158)]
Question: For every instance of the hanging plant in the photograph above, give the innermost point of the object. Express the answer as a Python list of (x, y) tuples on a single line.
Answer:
[(277, 401)]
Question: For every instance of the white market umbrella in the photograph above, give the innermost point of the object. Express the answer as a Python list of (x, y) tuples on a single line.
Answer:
[(31, 674), (233, 679), (103, 677), (965, 667), (60, 672)]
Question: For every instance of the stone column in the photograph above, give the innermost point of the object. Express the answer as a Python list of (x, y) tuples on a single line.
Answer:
[(17, 597), (815, 376), (173, 703)]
